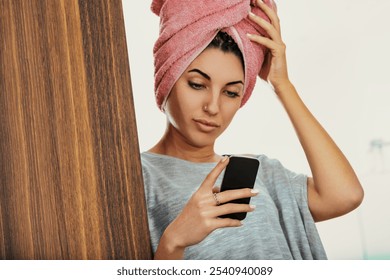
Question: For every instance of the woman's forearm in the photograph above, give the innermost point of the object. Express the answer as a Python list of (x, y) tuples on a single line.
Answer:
[(336, 189)]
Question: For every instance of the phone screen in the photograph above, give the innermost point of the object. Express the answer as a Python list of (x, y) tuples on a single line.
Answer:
[(240, 173)]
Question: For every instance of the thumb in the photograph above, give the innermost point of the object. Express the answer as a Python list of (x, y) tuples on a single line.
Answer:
[(265, 68)]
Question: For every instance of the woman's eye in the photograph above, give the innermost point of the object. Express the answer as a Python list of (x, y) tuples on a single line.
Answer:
[(195, 85), (232, 94)]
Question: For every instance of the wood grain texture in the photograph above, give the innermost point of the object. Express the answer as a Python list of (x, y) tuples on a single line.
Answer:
[(71, 183)]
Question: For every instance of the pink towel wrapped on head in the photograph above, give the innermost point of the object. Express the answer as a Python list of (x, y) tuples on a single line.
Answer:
[(188, 26)]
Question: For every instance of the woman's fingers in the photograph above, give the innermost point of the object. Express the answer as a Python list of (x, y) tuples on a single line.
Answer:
[(271, 13), (221, 223), (211, 178), (274, 68), (226, 196), (216, 189), (227, 209), (230, 208), (273, 33), (268, 43)]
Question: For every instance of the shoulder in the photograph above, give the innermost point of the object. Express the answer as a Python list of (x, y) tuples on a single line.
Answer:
[(153, 161), (270, 165), (273, 165), (154, 165), (263, 159), (274, 174)]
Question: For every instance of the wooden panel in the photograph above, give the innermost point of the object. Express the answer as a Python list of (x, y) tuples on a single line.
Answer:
[(70, 177)]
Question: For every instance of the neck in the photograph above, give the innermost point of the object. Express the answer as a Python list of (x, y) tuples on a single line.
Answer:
[(176, 145)]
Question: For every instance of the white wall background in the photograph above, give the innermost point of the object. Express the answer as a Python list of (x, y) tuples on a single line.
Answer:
[(339, 60)]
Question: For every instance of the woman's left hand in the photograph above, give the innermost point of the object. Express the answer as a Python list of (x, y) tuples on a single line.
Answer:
[(274, 68)]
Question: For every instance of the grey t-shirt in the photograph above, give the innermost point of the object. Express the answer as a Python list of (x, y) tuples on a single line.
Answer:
[(281, 227)]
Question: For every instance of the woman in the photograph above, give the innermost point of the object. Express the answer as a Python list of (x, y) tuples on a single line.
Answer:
[(182, 171)]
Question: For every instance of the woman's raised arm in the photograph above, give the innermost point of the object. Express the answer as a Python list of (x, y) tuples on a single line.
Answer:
[(334, 189)]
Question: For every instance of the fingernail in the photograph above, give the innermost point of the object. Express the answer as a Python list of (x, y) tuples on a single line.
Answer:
[(260, 1), (249, 35), (252, 14), (224, 158), (252, 206), (255, 191)]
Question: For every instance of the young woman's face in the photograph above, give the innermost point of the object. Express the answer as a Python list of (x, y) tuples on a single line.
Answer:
[(204, 100)]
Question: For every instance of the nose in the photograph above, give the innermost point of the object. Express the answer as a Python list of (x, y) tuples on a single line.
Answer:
[(212, 103)]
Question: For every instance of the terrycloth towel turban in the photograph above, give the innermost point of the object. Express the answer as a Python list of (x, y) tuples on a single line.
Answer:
[(188, 26)]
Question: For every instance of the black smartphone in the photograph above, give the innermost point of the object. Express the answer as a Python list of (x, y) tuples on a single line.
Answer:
[(240, 173)]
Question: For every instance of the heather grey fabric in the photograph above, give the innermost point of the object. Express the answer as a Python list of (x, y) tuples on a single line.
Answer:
[(281, 227)]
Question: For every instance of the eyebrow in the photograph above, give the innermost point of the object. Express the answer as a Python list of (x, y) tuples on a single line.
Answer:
[(208, 77), (201, 73)]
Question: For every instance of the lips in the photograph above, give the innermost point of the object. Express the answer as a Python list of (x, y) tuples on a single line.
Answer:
[(206, 125)]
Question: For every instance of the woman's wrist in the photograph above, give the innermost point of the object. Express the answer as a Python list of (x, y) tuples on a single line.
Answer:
[(283, 87), (169, 248)]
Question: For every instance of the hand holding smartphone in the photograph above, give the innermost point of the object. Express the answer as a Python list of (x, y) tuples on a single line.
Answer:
[(240, 173)]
